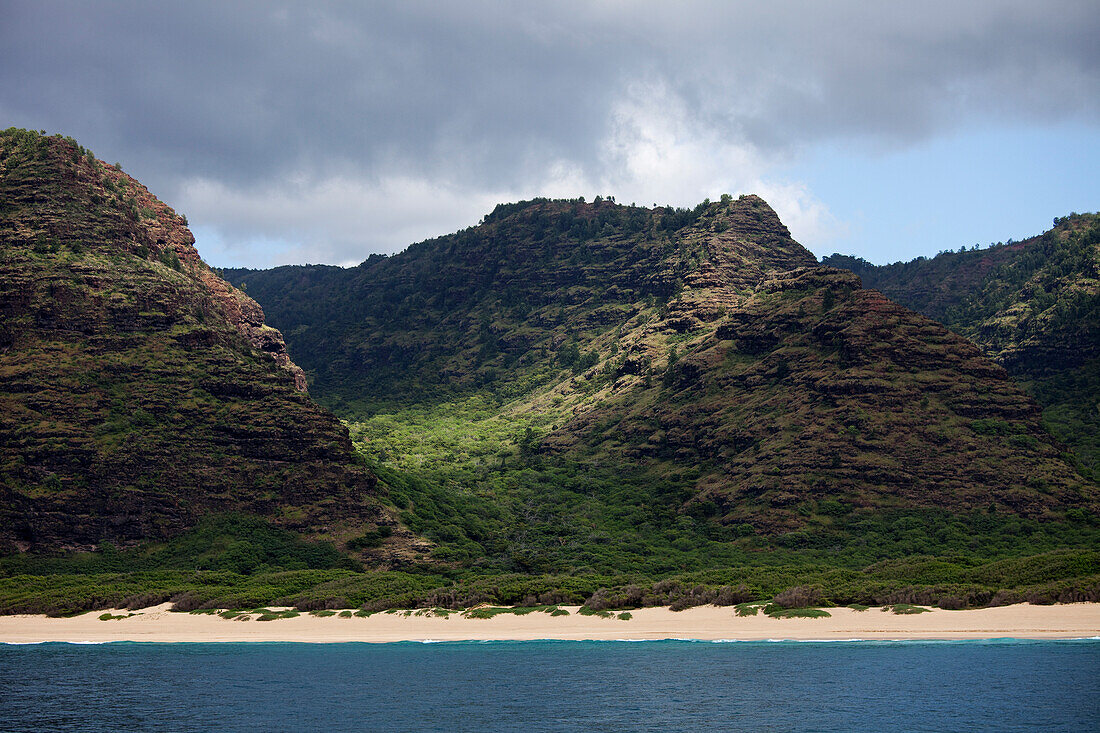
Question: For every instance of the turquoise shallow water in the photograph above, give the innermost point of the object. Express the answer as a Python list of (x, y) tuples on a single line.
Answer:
[(554, 686)]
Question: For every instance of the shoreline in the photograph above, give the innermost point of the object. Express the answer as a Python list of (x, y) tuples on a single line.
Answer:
[(703, 623)]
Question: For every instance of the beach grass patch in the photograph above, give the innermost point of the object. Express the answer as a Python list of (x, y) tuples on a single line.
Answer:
[(626, 616), (586, 611), (907, 608), (775, 611), (486, 612), (491, 611), (113, 617), (267, 614)]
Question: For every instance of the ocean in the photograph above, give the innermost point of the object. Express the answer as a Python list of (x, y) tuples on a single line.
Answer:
[(1002, 685)]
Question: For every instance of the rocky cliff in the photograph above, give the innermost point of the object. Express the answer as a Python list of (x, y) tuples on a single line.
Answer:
[(138, 390), (1032, 306), (815, 390)]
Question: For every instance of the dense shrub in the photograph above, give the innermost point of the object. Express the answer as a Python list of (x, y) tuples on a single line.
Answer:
[(800, 596)]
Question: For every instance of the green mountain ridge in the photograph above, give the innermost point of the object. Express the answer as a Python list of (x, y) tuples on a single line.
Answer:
[(498, 303)]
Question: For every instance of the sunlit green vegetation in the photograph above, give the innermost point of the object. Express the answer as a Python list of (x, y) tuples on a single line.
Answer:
[(462, 477)]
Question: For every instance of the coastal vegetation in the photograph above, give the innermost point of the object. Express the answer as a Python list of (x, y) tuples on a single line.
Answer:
[(1052, 577)]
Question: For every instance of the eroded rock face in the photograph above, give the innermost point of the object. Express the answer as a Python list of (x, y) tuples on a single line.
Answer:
[(248, 318), (138, 390), (1032, 306), (814, 389), (497, 301)]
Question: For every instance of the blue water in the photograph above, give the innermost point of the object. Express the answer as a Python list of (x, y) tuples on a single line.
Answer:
[(554, 686)]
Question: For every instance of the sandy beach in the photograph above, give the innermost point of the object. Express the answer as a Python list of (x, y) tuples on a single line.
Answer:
[(158, 624)]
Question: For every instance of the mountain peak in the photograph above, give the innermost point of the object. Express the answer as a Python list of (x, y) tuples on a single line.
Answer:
[(57, 193)]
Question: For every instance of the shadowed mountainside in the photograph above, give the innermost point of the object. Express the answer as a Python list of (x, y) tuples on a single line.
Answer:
[(140, 392), (1033, 306)]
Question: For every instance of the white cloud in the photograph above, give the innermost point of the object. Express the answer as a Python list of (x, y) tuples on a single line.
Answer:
[(333, 221), (330, 130), (658, 150), (655, 151)]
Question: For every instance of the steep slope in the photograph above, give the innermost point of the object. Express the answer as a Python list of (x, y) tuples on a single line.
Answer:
[(644, 391), (816, 391), (1033, 306), (502, 306), (139, 392)]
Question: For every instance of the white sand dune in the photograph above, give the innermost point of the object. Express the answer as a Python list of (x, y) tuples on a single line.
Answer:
[(158, 624)]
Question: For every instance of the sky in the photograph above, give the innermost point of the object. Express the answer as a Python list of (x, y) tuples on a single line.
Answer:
[(323, 132)]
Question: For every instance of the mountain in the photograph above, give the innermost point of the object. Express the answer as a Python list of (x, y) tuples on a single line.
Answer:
[(139, 392), (814, 390), (501, 306), (593, 385), (1033, 306)]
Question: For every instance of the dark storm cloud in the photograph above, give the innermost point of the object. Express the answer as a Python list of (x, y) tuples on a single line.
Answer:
[(490, 96), (241, 91)]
